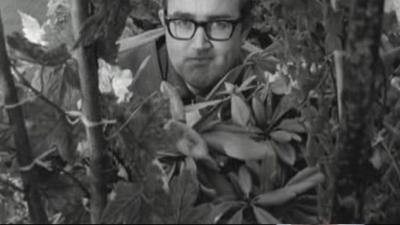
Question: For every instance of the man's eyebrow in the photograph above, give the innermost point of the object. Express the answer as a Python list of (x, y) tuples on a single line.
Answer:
[(182, 15), (208, 17), (220, 17)]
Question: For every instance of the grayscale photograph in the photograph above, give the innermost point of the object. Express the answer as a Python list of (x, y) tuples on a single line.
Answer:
[(200, 112)]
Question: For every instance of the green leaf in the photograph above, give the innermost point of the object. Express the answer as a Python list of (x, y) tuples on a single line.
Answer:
[(240, 111), (281, 136), (202, 105), (237, 218), (125, 208), (309, 174), (184, 191), (245, 181), (302, 182), (249, 131), (270, 169), (237, 146), (32, 29), (275, 198), (287, 103), (280, 84), (259, 111), (284, 136), (264, 217), (292, 125), (197, 215), (230, 77), (285, 152), (221, 209)]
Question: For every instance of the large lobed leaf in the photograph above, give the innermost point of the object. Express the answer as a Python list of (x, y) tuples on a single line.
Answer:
[(126, 206), (184, 191)]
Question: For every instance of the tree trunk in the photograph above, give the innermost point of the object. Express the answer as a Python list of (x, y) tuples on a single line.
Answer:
[(87, 60), (361, 67), (24, 152)]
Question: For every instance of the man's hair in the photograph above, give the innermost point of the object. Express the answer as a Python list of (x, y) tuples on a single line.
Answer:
[(246, 7)]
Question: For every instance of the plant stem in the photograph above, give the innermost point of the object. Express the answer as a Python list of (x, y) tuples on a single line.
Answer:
[(362, 73), (24, 151), (87, 60)]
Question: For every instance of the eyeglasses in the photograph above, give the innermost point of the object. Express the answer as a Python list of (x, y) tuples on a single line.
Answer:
[(185, 29)]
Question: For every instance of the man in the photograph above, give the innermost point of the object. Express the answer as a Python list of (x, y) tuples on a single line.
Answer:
[(200, 41)]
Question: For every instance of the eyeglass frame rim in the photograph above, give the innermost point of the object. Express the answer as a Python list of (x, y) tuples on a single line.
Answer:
[(202, 24)]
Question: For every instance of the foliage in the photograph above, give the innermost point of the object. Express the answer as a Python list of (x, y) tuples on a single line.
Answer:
[(258, 152)]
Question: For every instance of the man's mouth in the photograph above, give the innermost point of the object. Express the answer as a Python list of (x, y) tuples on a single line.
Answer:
[(200, 60)]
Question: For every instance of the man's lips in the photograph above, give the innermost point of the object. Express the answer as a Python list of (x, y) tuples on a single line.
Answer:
[(199, 60)]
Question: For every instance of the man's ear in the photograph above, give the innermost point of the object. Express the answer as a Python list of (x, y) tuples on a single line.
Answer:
[(161, 16)]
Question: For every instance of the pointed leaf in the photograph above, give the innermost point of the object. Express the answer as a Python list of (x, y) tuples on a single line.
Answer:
[(245, 181), (249, 131), (202, 105), (259, 111), (275, 198), (270, 169), (32, 29), (264, 217), (247, 82), (221, 209), (184, 191), (237, 218), (282, 136), (287, 103), (192, 118), (292, 125), (241, 113), (280, 84), (301, 183), (237, 146), (197, 215), (303, 175), (126, 205), (285, 152), (231, 76)]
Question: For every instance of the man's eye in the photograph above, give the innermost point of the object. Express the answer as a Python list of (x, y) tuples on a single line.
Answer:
[(183, 23), (221, 25)]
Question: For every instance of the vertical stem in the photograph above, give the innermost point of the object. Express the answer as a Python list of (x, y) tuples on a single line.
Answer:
[(24, 152), (87, 60), (361, 74)]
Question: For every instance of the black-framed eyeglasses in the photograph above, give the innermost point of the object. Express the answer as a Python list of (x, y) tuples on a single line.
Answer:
[(216, 30)]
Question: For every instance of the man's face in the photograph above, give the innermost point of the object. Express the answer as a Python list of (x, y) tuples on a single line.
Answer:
[(201, 62)]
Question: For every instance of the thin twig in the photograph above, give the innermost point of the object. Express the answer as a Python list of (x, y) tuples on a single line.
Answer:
[(130, 117), (38, 93), (76, 181)]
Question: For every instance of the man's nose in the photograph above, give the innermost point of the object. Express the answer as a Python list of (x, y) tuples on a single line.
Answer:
[(200, 40)]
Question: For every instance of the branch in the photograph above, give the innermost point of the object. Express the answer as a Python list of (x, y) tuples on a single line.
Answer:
[(38, 93), (11, 185), (24, 151), (361, 73), (87, 60)]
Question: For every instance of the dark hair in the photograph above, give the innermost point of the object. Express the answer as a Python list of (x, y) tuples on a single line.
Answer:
[(245, 11)]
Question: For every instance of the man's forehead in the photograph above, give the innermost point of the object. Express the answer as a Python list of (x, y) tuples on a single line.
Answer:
[(205, 9)]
